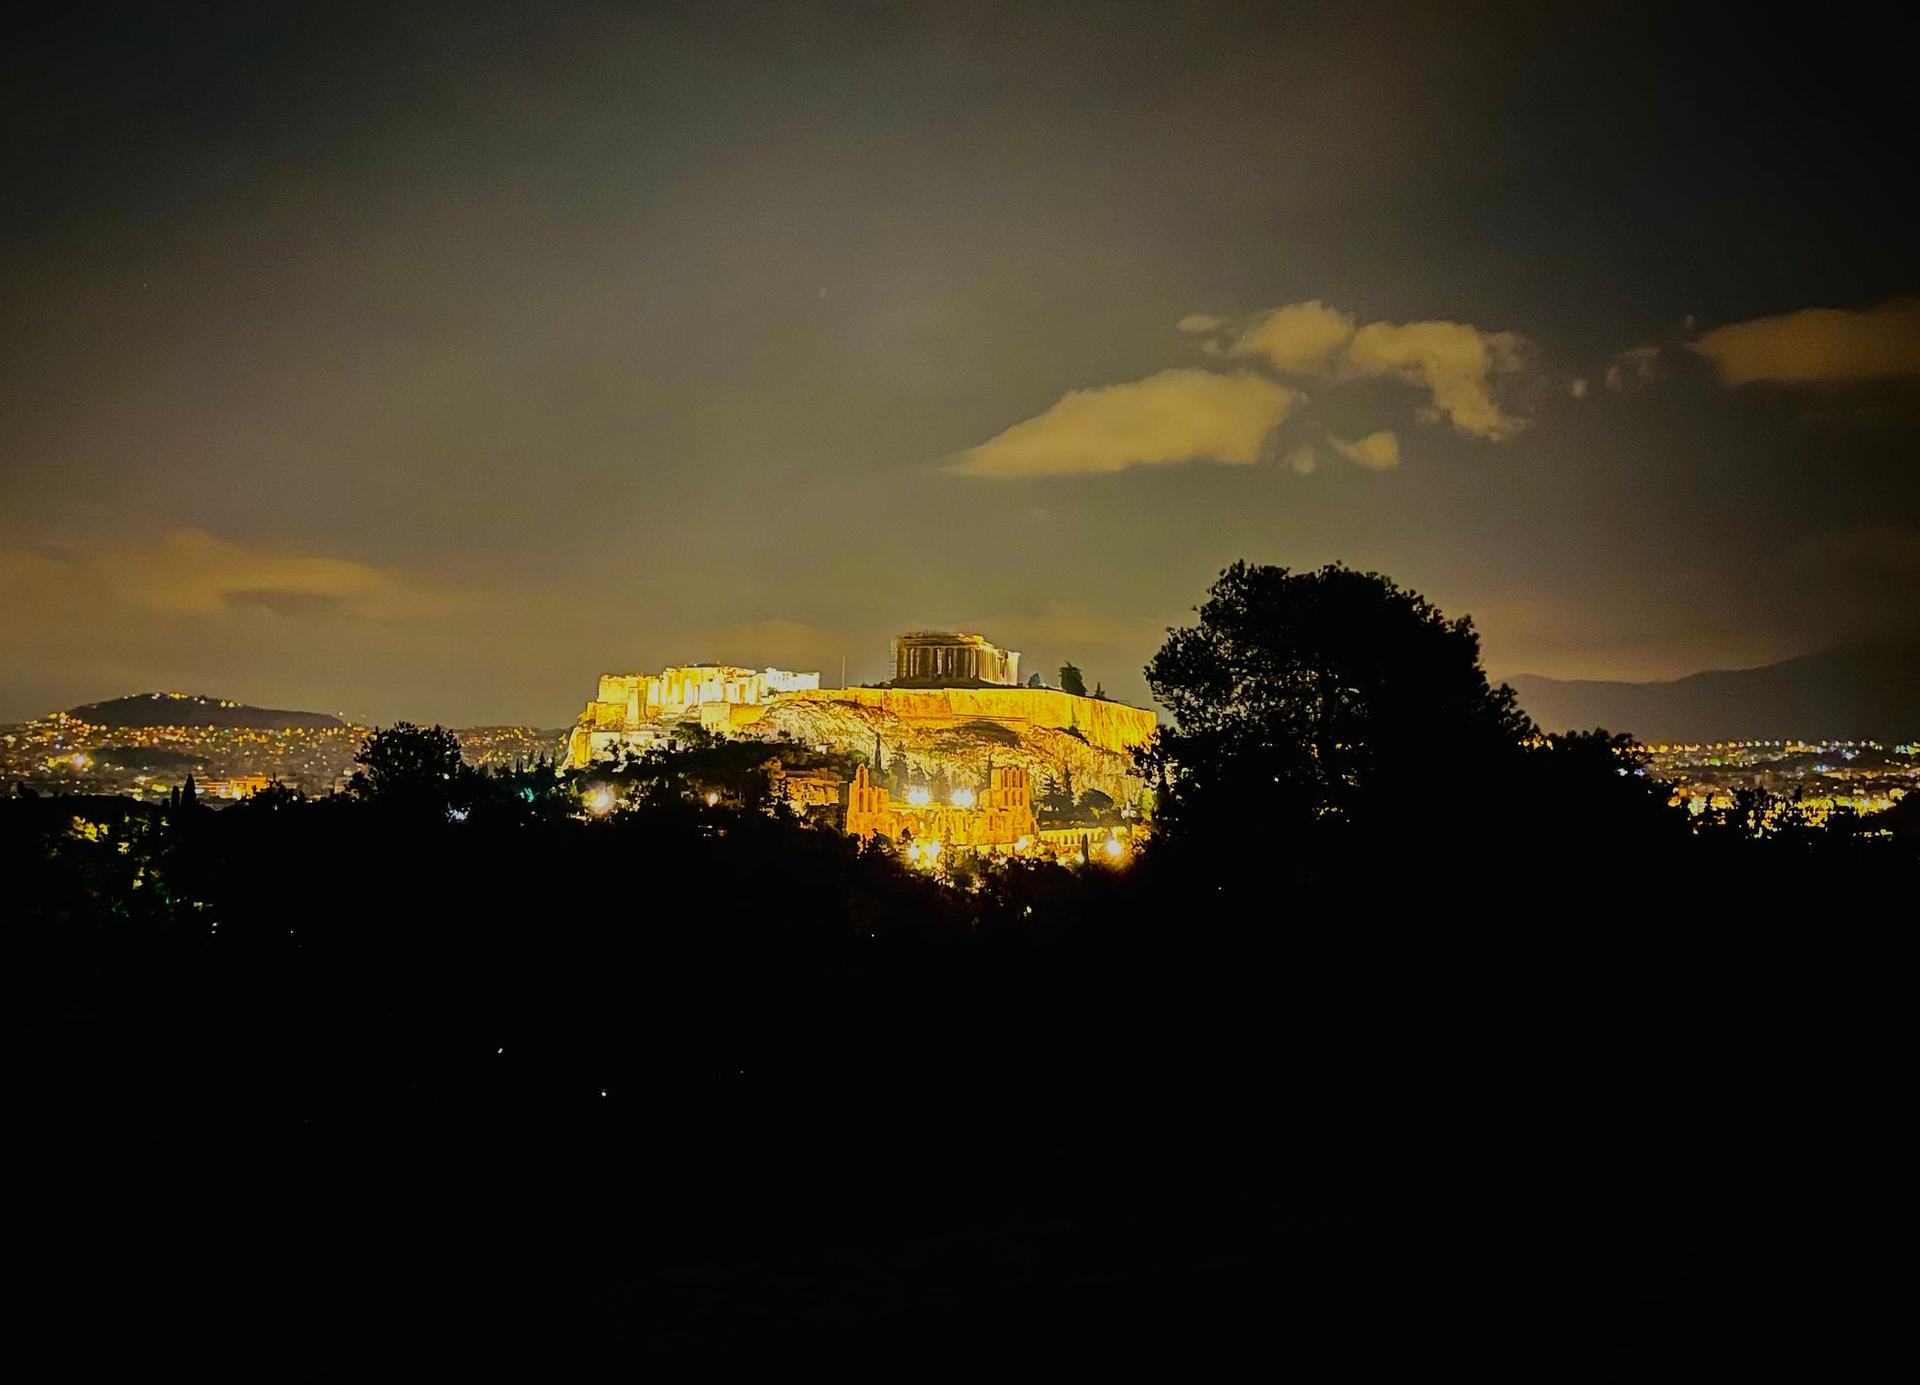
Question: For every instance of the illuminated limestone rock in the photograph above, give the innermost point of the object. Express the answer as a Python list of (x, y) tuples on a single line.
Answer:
[(955, 711), (1088, 747), (1110, 726), (955, 705)]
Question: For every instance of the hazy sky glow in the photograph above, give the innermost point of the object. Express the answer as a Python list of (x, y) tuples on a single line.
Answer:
[(427, 365)]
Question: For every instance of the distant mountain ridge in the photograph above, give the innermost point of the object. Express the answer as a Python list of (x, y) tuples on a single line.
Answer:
[(194, 709), (1850, 692)]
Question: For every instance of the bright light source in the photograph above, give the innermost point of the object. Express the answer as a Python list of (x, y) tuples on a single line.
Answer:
[(963, 798), (1023, 844), (600, 801), (712, 798), (919, 797), (1113, 848)]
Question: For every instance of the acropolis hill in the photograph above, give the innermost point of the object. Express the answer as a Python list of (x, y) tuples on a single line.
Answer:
[(953, 707)]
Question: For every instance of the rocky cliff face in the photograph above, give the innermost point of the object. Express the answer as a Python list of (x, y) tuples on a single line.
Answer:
[(958, 732), (1109, 726), (940, 738)]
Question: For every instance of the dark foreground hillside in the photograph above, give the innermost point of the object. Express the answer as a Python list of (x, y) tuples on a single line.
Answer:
[(317, 1091)]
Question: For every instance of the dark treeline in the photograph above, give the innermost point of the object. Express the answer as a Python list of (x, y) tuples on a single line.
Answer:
[(1415, 1036)]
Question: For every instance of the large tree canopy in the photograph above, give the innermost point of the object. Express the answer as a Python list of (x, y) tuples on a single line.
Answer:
[(1326, 694), (411, 767)]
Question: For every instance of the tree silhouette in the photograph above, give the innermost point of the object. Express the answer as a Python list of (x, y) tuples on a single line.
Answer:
[(411, 767), (1326, 695), (1071, 680), (1055, 800)]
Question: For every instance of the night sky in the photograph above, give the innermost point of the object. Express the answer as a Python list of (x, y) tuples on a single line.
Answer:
[(427, 364)]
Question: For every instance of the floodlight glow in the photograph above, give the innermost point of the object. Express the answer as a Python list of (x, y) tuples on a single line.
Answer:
[(919, 797), (963, 798)]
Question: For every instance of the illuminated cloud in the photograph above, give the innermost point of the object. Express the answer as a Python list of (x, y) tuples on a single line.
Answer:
[(190, 572), (1818, 346), (1175, 416), (1299, 339), (1376, 451), (1456, 364), (1189, 415), (1460, 367)]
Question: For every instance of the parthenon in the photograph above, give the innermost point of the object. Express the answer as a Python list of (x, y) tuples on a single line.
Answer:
[(931, 658)]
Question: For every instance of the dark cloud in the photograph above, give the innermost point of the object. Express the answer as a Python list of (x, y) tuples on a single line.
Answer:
[(1884, 550)]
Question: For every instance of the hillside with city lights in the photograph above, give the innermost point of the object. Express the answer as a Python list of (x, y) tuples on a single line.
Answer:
[(882, 979)]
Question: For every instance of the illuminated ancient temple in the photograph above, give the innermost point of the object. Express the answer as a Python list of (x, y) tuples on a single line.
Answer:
[(635, 711), (938, 658)]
